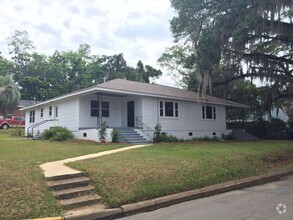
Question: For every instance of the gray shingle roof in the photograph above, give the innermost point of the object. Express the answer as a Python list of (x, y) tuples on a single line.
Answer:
[(27, 103), (126, 87), (165, 91)]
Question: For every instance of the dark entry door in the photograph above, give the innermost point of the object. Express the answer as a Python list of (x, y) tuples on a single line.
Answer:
[(130, 114)]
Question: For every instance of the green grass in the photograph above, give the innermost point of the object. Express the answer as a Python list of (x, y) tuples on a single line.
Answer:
[(23, 190), (164, 169)]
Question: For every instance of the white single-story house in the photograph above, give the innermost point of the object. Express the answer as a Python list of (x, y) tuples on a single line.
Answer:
[(127, 104)]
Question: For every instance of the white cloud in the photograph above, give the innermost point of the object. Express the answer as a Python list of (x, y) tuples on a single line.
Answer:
[(137, 28)]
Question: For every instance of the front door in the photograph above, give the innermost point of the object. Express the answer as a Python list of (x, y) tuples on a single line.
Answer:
[(130, 114)]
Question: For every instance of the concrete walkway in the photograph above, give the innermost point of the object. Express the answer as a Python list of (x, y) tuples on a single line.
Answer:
[(58, 168)]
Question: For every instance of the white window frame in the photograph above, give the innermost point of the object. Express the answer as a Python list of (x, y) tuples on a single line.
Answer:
[(56, 111), (41, 112), (50, 111), (162, 109), (204, 112), (32, 116), (104, 110)]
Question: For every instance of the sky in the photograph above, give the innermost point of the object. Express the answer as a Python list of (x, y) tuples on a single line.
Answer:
[(140, 29)]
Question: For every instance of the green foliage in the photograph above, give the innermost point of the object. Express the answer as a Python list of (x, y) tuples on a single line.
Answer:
[(115, 136), (228, 137), (206, 138), (46, 76), (248, 38), (168, 138), (17, 132), (157, 133), (274, 129), (9, 94), (57, 134), (103, 132), (159, 137)]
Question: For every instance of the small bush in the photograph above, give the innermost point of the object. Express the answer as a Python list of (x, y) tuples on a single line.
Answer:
[(115, 136), (17, 132), (227, 137), (57, 134), (157, 133), (103, 132), (168, 138), (206, 138)]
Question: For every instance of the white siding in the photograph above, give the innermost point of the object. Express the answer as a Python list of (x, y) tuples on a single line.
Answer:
[(137, 108), (75, 114), (68, 112), (189, 119), (92, 135), (85, 119)]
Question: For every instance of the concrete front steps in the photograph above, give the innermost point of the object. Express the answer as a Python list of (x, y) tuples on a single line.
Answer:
[(129, 135), (73, 191)]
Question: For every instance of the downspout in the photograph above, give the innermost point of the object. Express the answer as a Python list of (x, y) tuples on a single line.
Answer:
[(158, 118), (100, 109)]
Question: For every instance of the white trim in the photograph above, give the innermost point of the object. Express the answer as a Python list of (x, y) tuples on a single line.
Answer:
[(98, 89)]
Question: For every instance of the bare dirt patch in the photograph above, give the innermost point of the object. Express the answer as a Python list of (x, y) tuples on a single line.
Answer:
[(280, 158)]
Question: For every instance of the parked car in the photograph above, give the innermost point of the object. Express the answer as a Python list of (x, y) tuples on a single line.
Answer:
[(12, 121)]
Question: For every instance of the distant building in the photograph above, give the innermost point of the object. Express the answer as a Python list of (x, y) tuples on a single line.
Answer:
[(22, 104)]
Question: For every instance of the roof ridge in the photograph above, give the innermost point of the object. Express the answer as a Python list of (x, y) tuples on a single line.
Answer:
[(148, 84)]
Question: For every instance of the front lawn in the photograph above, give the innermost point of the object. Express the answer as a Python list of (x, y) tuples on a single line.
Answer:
[(23, 190), (164, 169)]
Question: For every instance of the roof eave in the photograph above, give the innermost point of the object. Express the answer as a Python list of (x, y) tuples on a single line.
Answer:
[(100, 89)]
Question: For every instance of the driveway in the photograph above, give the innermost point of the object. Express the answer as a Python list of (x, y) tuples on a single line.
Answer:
[(257, 203)]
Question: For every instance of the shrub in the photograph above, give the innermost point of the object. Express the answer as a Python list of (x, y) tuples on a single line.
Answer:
[(206, 138), (168, 138), (17, 132), (57, 133), (103, 132), (227, 137), (159, 137), (115, 136), (157, 133)]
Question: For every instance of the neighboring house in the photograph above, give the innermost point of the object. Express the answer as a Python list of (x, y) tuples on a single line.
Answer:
[(123, 103), (278, 114), (288, 108), (22, 104)]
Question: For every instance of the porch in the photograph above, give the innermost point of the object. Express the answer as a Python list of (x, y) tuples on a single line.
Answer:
[(121, 112), (117, 110)]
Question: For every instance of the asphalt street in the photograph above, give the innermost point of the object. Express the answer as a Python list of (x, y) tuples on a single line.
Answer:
[(272, 201)]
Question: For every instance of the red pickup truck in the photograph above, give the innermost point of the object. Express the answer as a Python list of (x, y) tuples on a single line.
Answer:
[(12, 121)]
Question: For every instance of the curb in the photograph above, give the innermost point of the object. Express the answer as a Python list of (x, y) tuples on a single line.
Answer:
[(149, 205)]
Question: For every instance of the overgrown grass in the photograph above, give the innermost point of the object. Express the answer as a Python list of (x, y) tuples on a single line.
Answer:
[(164, 169), (23, 190)]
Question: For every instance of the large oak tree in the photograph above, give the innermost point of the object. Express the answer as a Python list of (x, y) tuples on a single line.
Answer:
[(252, 39)]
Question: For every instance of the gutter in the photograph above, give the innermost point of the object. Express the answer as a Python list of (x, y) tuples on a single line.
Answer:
[(92, 90)]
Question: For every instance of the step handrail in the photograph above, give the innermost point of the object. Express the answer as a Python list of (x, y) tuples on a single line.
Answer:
[(138, 121), (36, 125)]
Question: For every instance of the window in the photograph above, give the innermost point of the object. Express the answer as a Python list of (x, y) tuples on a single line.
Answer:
[(56, 111), (176, 109), (95, 109), (50, 110), (42, 113), (161, 109), (105, 109), (32, 116), (168, 109), (208, 112)]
